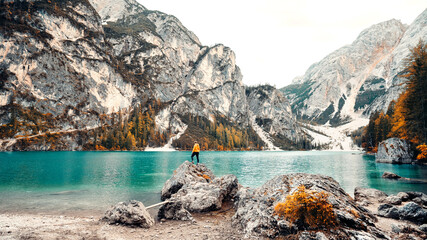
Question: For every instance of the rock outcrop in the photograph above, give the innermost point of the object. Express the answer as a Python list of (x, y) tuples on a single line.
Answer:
[(394, 150), (186, 174), (273, 114), (194, 188), (255, 215), (132, 213)]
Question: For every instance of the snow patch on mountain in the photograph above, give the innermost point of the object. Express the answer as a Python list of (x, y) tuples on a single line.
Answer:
[(337, 138), (264, 136)]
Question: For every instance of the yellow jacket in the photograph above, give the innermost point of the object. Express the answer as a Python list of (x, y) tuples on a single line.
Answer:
[(196, 148)]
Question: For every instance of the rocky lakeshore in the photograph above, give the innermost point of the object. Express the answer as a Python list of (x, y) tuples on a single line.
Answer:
[(198, 205)]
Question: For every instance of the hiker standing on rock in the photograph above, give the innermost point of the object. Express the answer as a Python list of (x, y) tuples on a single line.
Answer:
[(196, 150)]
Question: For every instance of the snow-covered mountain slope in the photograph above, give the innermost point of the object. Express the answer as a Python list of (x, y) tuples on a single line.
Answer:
[(360, 78), (335, 138)]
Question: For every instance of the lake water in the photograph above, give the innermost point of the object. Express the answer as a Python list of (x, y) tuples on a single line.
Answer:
[(73, 182)]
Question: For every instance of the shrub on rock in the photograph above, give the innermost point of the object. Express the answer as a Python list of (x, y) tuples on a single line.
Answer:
[(255, 214), (308, 208)]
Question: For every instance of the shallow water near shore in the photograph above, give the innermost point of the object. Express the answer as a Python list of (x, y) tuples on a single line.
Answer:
[(89, 182)]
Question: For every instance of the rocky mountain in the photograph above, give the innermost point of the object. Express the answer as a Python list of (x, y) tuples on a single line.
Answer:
[(272, 112), (71, 68), (360, 78)]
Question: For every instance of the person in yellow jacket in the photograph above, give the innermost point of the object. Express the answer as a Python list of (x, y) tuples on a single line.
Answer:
[(196, 150)]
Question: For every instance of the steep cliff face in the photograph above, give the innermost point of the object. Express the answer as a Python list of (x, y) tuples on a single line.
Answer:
[(390, 68), (191, 78), (55, 59), (272, 112), (75, 63), (360, 78)]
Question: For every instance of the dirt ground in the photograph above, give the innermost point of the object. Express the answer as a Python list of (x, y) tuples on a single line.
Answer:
[(214, 225)]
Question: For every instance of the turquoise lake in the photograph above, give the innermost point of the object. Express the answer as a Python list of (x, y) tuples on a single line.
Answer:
[(89, 182)]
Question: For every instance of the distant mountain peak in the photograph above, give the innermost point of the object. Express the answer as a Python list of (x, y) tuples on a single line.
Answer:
[(359, 78)]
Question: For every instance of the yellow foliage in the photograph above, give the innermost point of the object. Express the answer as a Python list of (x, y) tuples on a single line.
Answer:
[(309, 207), (423, 149)]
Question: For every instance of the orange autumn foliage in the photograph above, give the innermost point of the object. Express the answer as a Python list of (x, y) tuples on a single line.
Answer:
[(399, 122), (206, 177), (311, 208), (423, 152)]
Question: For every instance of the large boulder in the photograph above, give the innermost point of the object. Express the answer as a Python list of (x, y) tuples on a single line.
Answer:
[(196, 189), (394, 150), (388, 211), (186, 174), (413, 212), (255, 209), (417, 197), (369, 194), (174, 211), (131, 213)]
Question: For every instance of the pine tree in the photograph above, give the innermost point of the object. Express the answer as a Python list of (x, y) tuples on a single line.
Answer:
[(416, 100)]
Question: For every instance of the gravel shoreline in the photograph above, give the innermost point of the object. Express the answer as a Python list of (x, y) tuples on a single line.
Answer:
[(213, 225)]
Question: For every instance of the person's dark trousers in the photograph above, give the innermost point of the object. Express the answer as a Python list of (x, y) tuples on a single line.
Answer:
[(197, 156)]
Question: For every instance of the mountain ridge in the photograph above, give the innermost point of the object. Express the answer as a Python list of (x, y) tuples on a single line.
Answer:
[(357, 79), (133, 59)]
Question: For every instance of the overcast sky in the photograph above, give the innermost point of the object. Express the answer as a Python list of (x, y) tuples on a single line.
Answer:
[(277, 40)]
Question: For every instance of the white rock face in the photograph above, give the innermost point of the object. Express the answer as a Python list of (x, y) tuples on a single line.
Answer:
[(113, 10), (394, 150), (193, 79), (65, 66), (108, 55), (360, 78)]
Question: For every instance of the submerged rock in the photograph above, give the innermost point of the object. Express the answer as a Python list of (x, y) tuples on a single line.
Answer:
[(196, 189), (131, 213), (394, 150), (255, 209), (390, 175)]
